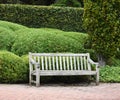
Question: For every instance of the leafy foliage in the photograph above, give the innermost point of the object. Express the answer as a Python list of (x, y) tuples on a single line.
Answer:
[(6, 39), (110, 74), (48, 40), (11, 26), (44, 16), (102, 22), (7, 34), (12, 68)]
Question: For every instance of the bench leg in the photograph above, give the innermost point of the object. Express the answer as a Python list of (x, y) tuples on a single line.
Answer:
[(97, 78), (37, 78), (30, 78), (37, 81)]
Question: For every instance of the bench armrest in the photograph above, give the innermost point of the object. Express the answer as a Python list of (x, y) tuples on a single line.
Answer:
[(94, 63), (32, 61)]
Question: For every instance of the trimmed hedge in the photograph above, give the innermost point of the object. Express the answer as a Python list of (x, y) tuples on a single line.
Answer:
[(48, 40), (12, 68), (67, 18)]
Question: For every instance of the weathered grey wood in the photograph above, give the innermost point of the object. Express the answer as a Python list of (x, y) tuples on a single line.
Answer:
[(78, 63), (53, 63), (37, 75), (75, 64), (50, 63), (81, 62), (60, 63), (42, 63), (68, 63), (57, 64), (84, 62), (30, 69), (71, 63), (46, 63), (63, 72), (64, 65)]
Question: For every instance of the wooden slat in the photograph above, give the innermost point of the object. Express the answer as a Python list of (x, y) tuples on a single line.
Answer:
[(78, 63), (58, 54), (81, 62), (68, 64), (53, 63), (71, 63), (49, 63), (42, 62), (38, 59), (84, 62), (57, 67), (46, 63), (64, 66), (75, 63), (68, 72), (60, 63), (34, 58)]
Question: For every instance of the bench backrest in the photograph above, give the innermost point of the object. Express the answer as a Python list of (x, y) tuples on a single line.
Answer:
[(58, 61)]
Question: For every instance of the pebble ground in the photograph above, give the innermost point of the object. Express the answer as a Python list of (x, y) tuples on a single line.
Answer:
[(104, 91)]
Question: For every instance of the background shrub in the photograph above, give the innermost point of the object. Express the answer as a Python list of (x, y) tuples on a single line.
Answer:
[(102, 22), (67, 3), (68, 19), (10, 1), (48, 40), (12, 68)]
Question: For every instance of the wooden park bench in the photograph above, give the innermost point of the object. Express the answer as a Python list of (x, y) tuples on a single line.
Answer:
[(59, 64)]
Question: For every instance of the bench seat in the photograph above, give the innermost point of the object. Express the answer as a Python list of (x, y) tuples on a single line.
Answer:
[(67, 73)]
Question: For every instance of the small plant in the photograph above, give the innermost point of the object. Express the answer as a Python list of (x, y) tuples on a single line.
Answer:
[(110, 74)]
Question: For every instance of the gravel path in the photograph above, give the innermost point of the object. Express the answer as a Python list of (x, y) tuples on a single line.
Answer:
[(105, 91)]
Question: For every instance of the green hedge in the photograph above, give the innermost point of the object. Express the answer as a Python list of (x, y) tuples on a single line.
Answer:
[(68, 19), (12, 68), (48, 40)]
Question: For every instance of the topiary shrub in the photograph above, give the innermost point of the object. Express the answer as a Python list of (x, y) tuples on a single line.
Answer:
[(12, 68), (7, 38), (41, 40), (11, 26), (8, 35)]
